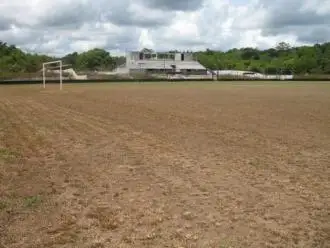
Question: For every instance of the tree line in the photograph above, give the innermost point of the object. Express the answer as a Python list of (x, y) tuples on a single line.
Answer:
[(282, 59), (13, 59)]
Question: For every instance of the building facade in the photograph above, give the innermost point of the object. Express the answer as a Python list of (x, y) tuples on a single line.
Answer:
[(167, 63)]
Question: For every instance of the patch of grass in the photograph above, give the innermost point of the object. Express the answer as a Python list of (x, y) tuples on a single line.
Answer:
[(32, 201), (107, 218), (226, 245), (8, 155), (97, 245), (59, 157), (257, 163), (3, 205)]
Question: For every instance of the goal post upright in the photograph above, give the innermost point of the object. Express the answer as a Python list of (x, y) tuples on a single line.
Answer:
[(44, 75), (60, 74), (44, 72)]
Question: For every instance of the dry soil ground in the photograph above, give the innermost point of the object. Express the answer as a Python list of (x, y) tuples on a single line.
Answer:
[(175, 165)]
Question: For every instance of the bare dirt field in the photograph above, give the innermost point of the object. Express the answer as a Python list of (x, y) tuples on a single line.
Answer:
[(165, 165)]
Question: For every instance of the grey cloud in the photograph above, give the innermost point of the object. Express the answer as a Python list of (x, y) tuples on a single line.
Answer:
[(120, 13), (126, 18), (74, 14), (22, 37), (318, 34), (96, 33), (69, 16), (75, 24), (288, 17), (164, 44), (57, 26), (126, 40), (183, 5), (36, 40), (5, 23)]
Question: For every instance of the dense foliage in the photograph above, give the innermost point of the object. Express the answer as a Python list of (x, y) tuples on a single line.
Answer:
[(92, 60), (281, 59), (12, 59)]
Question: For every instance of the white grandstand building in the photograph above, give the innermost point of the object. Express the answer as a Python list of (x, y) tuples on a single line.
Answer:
[(161, 63)]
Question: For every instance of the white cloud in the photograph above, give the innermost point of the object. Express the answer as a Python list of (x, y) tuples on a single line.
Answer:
[(62, 26), (321, 7), (145, 40)]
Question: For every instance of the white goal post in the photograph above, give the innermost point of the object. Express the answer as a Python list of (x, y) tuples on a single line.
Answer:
[(44, 71)]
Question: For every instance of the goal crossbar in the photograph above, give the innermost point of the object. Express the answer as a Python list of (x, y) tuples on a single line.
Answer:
[(44, 71)]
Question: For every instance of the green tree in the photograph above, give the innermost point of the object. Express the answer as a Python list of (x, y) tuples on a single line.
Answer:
[(95, 59), (283, 46)]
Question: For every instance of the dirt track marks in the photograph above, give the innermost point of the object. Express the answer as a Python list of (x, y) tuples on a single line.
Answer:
[(156, 168)]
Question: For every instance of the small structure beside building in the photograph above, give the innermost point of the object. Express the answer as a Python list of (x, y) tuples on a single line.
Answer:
[(250, 75)]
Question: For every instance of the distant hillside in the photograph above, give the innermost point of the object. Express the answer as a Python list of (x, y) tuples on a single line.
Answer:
[(14, 60), (281, 59)]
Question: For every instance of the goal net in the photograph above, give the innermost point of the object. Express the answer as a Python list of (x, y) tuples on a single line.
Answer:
[(58, 68)]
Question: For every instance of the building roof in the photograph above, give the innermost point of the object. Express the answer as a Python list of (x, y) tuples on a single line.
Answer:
[(165, 64), (193, 65)]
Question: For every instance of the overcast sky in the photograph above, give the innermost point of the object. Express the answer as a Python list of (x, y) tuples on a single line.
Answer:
[(57, 27)]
